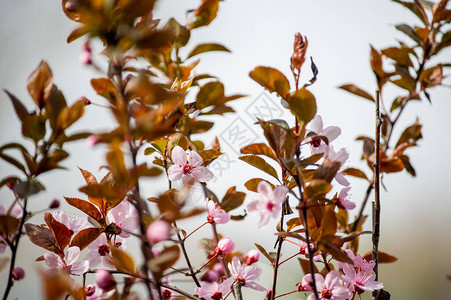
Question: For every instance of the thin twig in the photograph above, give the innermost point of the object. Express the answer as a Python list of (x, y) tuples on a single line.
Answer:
[(14, 248), (185, 255), (276, 264), (376, 204)]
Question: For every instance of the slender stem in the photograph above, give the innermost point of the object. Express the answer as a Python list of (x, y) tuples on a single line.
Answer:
[(286, 294), (376, 203), (292, 256), (365, 200), (185, 255), (184, 239), (14, 248), (276, 264)]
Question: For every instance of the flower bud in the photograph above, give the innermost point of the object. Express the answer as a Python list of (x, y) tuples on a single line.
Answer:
[(105, 280), (85, 58), (55, 204), (158, 231), (85, 100), (225, 246), (218, 268), (91, 140), (71, 6), (18, 273), (210, 276), (90, 290), (166, 294), (252, 256)]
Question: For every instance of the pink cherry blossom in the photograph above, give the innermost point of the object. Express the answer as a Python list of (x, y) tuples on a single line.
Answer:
[(158, 231), (246, 275), (73, 224), (213, 290), (125, 217), (270, 202), (316, 143), (101, 250), (341, 200), (306, 283), (341, 156), (69, 263), (188, 164), (216, 215), (330, 288), (210, 276), (93, 292), (360, 276), (252, 256), (225, 246)]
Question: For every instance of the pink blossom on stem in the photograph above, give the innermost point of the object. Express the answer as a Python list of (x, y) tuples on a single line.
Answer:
[(93, 292), (316, 143), (213, 290), (246, 275), (306, 283), (69, 263), (341, 200), (225, 246), (104, 279), (252, 256), (101, 251), (18, 273), (270, 202), (330, 288), (75, 225), (341, 156), (125, 217), (187, 164), (360, 276), (216, 215), (158, 231)]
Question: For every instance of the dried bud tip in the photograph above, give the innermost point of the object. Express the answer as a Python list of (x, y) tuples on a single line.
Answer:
[(55, 204), (84, 99), (299, 50)]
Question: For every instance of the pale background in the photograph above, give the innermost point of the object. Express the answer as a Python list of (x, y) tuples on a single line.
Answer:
[(415, 211)]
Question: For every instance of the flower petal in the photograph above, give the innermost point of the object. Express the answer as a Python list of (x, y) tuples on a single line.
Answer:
[(178, 155), (202, 174), (255, 286), (72, 255), (175, 172), (52, 260), (332, 132), (264, 190), (194, 159)]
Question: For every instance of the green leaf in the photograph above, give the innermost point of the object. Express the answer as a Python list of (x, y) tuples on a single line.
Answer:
[(201, 48), (303, 105), (272, 80), (260, 163), (357, 91)]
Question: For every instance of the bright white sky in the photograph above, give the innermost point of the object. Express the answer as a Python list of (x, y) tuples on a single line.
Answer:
[(415, 211)]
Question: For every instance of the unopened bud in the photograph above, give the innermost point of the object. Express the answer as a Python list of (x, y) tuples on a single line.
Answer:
[(85, 58), (166, 294), (55, 204), (299, 51), (105, 280), (85, 100), (71, 6), (91, 140), (158, 231), (90, 290), (225, 246), (252, 256), (18, 273), (210, 276)]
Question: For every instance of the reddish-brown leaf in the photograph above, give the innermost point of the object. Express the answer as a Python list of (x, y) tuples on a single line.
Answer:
[(40, 84), (259, 163), (232, 199), (8, 224), (271, 79), (382, 257), (252, 184), (42, 237), (357, 91), (61, 233), (85, 237), (86, 207), (259, 149)]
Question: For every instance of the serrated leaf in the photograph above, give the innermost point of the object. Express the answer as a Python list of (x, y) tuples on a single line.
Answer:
[(259, 163), (303, 105), (209, 156), (201, 48), (42, 237), (259, 149), (265, 253), (86, 207), (355, 172), (382, 257), (232, 199), (85, 237), (271, 79), (252, 184), (357, 91)]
